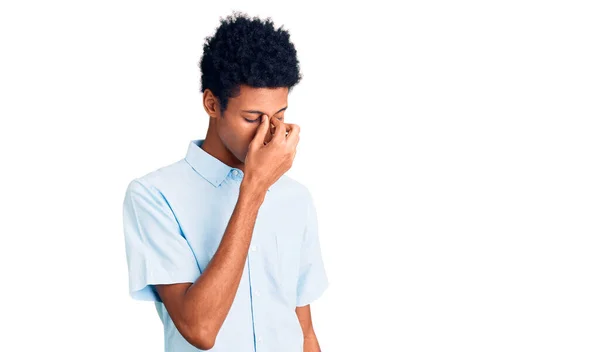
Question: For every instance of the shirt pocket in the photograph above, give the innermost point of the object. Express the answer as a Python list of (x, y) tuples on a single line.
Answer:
[(288, 261)]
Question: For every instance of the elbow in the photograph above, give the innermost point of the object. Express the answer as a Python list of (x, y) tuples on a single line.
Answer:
[(200, 337)]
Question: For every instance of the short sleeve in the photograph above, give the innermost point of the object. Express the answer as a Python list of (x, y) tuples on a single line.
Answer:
[(157, 252), (312, 280)]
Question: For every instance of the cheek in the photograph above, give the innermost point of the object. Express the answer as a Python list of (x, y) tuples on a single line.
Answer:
[(237, 135), (242, 133)]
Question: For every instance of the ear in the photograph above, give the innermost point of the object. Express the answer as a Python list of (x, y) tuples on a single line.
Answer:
[(211, 103)]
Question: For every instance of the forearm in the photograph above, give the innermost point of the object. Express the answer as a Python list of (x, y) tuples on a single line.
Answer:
[(310, 339), (208, 301), (311, 344)]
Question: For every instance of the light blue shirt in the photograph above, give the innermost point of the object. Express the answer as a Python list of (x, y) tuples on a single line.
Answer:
[(174, 219)]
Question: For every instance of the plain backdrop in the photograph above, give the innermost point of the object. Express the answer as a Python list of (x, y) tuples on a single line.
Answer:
[(452, 149)]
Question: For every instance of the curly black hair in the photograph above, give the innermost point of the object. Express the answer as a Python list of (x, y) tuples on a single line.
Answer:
[(247, 51)]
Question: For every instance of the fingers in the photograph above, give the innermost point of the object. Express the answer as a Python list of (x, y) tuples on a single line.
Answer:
[(280, 130), (261, 132), (294, 132)]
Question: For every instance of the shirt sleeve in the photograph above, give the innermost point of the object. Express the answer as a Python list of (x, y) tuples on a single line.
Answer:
[(312, 280), (156, 250)]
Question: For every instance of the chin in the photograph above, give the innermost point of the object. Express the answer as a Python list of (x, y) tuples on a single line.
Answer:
[(243, 160), (243, 156), (239, 156)]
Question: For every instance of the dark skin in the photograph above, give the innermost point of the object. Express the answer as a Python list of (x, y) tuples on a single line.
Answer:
[(239, 138)]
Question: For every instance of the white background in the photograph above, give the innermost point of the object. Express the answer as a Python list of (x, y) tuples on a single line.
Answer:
[(452, 149)]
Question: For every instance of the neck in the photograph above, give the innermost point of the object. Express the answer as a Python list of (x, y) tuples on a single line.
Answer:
[(214, 146)]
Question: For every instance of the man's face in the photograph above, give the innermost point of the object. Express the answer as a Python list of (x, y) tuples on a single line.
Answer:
[(239, 122)]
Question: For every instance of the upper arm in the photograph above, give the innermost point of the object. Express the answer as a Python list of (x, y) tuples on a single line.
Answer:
[(157, 252), (173, 296), (312, 279), (161, 263)]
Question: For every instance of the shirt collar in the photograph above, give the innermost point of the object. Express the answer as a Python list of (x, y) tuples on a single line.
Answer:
[(210, 168)]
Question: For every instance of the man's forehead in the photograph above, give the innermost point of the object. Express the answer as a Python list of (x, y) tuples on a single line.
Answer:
[(262, 99)]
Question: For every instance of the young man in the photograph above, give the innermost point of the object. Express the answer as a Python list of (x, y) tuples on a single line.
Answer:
[(222, 241)]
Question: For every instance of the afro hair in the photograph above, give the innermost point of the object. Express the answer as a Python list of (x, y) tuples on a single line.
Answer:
[(249, 52)]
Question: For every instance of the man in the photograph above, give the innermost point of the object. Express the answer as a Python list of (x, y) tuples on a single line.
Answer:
[(222, 241)]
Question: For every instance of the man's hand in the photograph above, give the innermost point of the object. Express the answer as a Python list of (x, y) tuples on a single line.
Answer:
[(266, 163)]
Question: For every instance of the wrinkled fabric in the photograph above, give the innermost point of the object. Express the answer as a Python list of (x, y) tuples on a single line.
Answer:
[(174, 219)]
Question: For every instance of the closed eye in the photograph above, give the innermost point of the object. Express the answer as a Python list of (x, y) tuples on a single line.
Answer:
[(258, 119)]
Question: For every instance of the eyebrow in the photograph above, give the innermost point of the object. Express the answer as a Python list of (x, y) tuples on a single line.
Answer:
[(260, 112)]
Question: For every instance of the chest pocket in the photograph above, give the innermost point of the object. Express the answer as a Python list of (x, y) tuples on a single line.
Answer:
[(289, 246)]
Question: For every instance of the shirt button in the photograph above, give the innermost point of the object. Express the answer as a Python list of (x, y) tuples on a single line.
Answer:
[(235, 172), (259, 339), (253, 248), (257, 293)]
